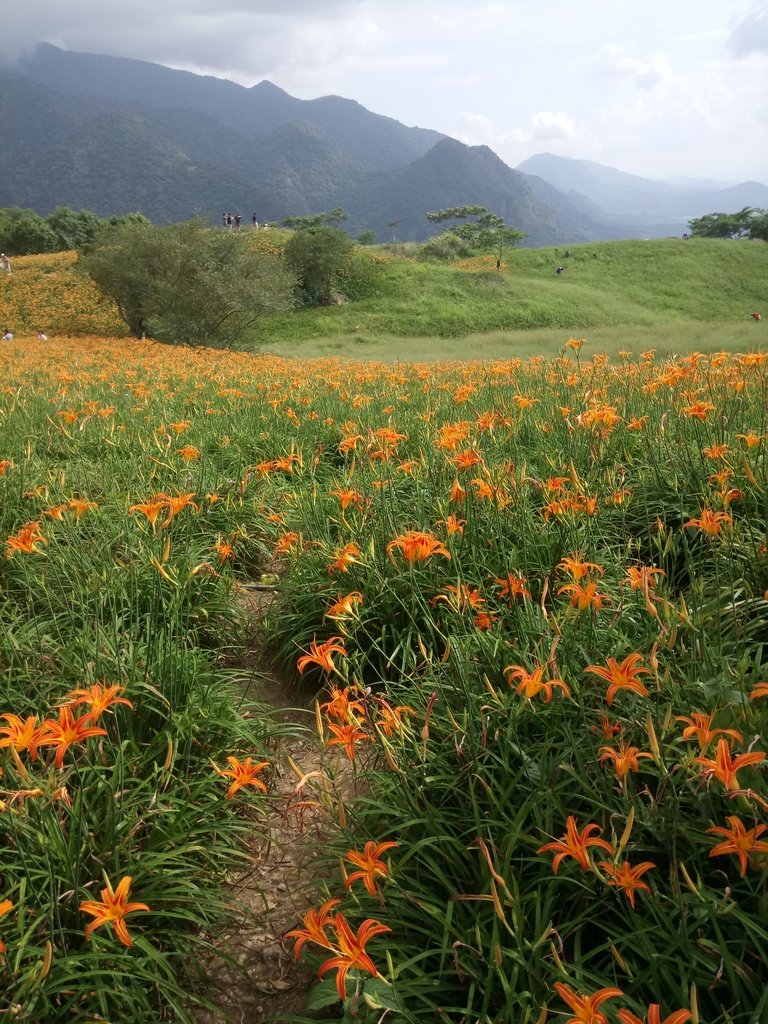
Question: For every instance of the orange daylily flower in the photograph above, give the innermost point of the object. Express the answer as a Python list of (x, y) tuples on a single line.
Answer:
[(532, 683), (760, 690), (583, 597), (575, 565), (80, 506), (586, 1007), (22, 735), (575, 844), (321, 654), (150, 509), (99, 698), (641, 577), (66, 731), (243, 773), (224, 550), (315, 922), (739, 840), (710, 522), (351, 950), (654, 1016), (348, 496), (112, 909), (287, 542), (25, 541), (391, 719), (699, 726), (347, 736), (189, 452), (370, 864), (626, 877), (624, 676), (344, 606), (5, 907), (345, 705), (625, 759), (460, 597), (512, 586), (417, 546), (175, 503), (724, 767), (453, 525), (348, 555)]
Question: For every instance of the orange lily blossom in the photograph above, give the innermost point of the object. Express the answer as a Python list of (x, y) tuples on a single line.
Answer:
[(5, 907), (346, 706), (512, 586), (624, 676), (150, 509), (315, 922), (760, 690), (739, 840), (22, 734), (370, 864), (575, 844), (724, 767), (417, 546), (99, 698), (112, 909), (531, 684), (626, 877), (66, 731), (625, 759), (344, 606), (347, 736), (321, 654), (348, 555), (351, 951), (25, 541), (586, 596), (243, 773), (586, 1007), (577, 567), (391, 719), (654, 1016), (710, 522), (699, 726)]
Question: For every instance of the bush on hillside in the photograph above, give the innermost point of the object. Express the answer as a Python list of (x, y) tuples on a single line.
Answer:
[(185, 283), (318, 256)]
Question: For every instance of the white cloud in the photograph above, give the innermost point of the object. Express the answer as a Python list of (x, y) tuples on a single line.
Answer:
[(750, 34), (615, 62)]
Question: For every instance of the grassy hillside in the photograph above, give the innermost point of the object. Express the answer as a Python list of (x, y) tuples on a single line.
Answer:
[(667, 294)]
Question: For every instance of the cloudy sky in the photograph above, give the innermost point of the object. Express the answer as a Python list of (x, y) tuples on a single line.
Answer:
[(660, 88)]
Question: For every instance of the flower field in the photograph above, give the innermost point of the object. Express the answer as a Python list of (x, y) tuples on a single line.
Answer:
[(533, 599)]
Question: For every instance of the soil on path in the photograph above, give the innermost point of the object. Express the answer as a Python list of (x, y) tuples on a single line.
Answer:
[(265, 982)]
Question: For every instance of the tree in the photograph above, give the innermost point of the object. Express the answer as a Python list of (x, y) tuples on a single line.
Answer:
[(366, 237), (485, 233), (186, 283), (747, 223), (317, 256), (24, 232), (316, 220)]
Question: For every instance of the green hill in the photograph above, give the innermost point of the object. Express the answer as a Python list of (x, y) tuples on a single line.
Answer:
[(659, 289)]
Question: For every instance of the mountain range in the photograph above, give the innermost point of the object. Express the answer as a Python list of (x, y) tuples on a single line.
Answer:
[(115, 135)]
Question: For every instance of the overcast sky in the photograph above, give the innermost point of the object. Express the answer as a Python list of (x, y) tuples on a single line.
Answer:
[(660, 88)]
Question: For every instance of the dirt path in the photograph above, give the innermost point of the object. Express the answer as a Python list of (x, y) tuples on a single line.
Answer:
[(267, 983)]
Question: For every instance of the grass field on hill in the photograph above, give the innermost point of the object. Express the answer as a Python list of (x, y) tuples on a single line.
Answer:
[(668, 294)]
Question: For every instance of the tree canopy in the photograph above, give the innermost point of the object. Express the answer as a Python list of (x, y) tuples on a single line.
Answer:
[(484, 232), (750, 222), (186, 283)]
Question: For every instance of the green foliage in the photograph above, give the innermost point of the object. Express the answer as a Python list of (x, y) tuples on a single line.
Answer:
[(318, 255), (186, 283), (485, 233), (747, 223), (316, 220), (366, 237), (24, 232)]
